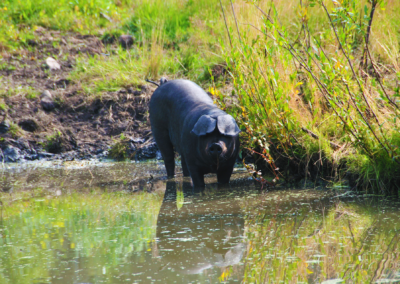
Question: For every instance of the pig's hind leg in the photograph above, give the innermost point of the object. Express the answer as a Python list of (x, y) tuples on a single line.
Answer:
[(167, 151)]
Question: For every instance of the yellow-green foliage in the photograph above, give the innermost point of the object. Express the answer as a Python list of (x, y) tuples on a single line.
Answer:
[(298, 66), (119, 150), (18, 19), (15, 130), (176, 38)]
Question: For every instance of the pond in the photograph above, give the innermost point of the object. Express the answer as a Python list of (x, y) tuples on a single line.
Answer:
[(85, 222)]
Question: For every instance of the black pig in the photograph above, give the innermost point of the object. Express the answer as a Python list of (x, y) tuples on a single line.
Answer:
[(183, 117)]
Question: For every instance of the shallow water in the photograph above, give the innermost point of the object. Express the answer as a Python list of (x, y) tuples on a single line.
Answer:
[(85, 222)]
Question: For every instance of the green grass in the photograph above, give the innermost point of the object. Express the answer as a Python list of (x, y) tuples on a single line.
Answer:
[(19, 19), (174, 38), (15, 130), (3, 106), (23, 91), (54, 142), (119, 149)]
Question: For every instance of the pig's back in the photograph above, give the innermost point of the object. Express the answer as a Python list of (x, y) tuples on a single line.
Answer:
[(177, 103)]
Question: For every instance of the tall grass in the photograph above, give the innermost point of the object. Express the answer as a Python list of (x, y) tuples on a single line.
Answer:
[(312, 93)]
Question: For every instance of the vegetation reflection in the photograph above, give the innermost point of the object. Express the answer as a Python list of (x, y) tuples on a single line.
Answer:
[(313, 242), (40, 235)]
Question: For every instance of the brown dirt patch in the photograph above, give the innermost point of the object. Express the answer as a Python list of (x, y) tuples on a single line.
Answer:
[(77, 122)]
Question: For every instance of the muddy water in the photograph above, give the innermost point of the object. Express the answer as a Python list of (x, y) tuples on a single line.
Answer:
[(80, 222)]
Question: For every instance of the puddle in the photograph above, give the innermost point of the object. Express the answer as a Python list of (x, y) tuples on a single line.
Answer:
[(82, 222)]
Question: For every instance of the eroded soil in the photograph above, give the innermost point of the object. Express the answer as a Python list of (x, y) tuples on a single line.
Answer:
[(79, 125)]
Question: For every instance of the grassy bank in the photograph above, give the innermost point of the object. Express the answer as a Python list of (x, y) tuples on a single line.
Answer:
[(317, 87), (176, 38), (173, 38), (315, 83)]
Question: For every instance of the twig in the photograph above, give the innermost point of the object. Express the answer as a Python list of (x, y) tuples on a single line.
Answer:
[(366, 121), (226, 25), (379, 81), (259, 179), (237, 28), (268, 160), (108, 18), (359, 84), (313, 135), (349, 62), (320, 85), (371, 15)]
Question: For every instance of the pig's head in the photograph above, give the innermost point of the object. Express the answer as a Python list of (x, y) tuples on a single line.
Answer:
[(217, 137)]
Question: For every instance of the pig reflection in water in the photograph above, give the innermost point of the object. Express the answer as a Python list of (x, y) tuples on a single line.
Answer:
[(202, 234)]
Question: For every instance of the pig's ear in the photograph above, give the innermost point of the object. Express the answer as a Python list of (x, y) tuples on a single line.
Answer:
[(205, 124), (227, 125)]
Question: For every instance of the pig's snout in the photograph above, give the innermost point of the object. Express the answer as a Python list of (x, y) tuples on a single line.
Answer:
[(215, 149)]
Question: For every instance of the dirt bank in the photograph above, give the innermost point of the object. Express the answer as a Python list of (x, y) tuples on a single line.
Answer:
[(66, 122)]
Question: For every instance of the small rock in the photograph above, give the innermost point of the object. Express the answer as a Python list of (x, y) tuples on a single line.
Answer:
[(4, 127), (126, 41), (52, 64), (62, 83), (137, 140), (46, 94), (31, 42), (11, 154), (147, 152), (29, 125), (31, 157), (46, 101), (144, 88), (45, 155), (96, 123), (40, 29), (132, 148), (22, 143)]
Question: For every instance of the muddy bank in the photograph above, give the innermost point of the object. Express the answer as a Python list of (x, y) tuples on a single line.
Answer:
[(46, 115), (77, 130)]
